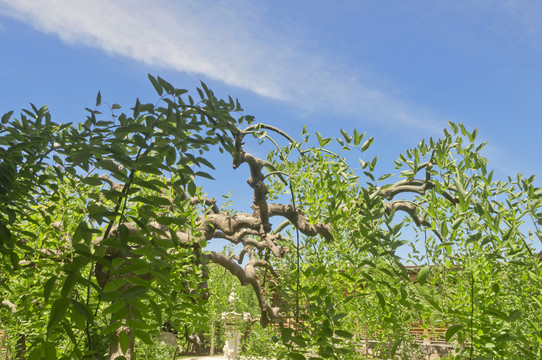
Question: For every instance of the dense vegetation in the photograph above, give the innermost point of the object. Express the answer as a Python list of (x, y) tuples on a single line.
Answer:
[(103, 229)]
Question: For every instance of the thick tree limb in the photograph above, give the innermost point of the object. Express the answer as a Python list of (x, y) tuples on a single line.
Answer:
[(298, 219), (11, 305), (247, 276), (410, 209)]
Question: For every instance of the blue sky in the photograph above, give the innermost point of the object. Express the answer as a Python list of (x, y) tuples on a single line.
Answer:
[(399, 70)]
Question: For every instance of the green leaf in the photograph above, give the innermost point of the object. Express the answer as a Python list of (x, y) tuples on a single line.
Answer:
[(204, 175), (114, 307), (167, 86), (81, 158), (49, 349), (70, 333), (504, 337), (99, 99), (434, 303), (82, 232), (343, 334), (157, 311), (146, 184), (358, 137), (299, 341), (369, 174), (481, 146), (423, 274), (497, 313), (404, 294), (156, 84), (347, 137), (171, 156), (112, 327), (116, 283), (340, 316), (372, 165), (92, 180), (151, 200), (58, 310), (452, 330), (149, 169), (204, 161), (133, 292), (136, 108), (474, 134), (514, 315), (367, 143), (48, 287), (35, 354), (143, 335), (444, 229), (69, 284), (322, 141), (191, 187), (384, 177), (381, 300), (460, 188), (6, 117), (124, 341), (326, 330), (124, 237), (296, 356), (83, 310), (456, 223)]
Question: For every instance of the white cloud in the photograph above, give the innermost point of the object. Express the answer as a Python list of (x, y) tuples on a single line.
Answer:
[(224, 40), (511, 22)]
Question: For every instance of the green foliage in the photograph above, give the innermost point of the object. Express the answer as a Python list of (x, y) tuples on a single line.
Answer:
[(101, 230), (71, 198), (156, 351), (478, 233)]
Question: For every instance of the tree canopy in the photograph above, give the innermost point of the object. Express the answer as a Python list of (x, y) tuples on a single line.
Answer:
[(104, 227)]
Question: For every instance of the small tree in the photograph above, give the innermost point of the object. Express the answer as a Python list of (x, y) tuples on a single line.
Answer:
[(103, 230)]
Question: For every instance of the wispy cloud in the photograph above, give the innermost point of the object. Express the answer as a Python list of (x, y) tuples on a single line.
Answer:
[(224, 40), (506, 22)]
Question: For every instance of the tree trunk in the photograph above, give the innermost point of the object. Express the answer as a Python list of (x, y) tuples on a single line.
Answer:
[(115, 348), (213, 331), (21, 347)]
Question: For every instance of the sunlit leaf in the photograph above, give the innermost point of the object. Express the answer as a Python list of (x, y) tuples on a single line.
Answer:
[(367, 144), (452, 330), (423, 274)]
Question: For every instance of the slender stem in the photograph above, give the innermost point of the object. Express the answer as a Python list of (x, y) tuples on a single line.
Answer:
[(268, 127), (297, 255), (471, 314)]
